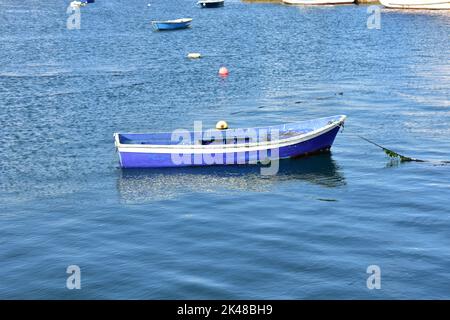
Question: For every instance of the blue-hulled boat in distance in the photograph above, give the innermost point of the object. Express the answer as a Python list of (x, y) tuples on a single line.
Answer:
[(172, 24), (211, 3), (226, 147)]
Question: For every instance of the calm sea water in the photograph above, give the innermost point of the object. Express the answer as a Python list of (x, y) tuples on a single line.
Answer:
[(309, 232)]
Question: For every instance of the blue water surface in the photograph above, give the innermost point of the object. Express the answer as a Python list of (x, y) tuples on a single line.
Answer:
[(310, 231)]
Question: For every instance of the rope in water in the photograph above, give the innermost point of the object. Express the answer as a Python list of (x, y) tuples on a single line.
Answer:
[(402, 158)]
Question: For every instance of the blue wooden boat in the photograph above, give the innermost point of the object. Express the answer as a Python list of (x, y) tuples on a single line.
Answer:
[(226, 147), (172, 24), (211, 3)]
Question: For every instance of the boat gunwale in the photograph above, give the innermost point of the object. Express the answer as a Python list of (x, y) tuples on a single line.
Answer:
[(208, 148), (176, 21)]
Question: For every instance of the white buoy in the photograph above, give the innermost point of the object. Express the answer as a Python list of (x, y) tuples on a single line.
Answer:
[(194, 55)]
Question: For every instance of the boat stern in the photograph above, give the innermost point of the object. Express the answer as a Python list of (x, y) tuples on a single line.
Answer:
[(117, 145)]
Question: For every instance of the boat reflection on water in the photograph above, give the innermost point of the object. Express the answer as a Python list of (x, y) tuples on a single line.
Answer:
[(144, 185)]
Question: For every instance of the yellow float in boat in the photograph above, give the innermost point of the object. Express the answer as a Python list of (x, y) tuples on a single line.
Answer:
[(194, 55), (221, 125)]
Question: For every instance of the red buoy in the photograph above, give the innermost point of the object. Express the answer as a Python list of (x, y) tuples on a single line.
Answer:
[(223, 71)]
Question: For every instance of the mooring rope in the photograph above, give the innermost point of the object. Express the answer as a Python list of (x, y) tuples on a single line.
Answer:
[(393, 154)]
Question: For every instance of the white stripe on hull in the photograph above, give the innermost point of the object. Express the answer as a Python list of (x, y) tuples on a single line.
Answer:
[(212, 149)]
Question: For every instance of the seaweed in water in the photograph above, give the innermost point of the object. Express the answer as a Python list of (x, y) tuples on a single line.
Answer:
[(392, 154)]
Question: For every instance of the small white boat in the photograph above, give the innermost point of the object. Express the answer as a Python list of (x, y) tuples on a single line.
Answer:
[(77, 4), (317, 2), (417, 4)]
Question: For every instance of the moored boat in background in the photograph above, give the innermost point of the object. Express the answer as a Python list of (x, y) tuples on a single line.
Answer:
[(172, 24), (417, 4), (317, 2), (211, 3)]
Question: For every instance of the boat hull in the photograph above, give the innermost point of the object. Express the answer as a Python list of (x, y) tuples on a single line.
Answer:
[(211, 4), (317, 2), (322, 142), (164, 26), (416, 4)]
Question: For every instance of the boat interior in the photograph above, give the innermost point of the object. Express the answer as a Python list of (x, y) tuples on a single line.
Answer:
[(229, 136)]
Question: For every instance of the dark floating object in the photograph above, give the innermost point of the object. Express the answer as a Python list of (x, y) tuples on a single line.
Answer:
[(327, 200), (324, 98), (211, 3)]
